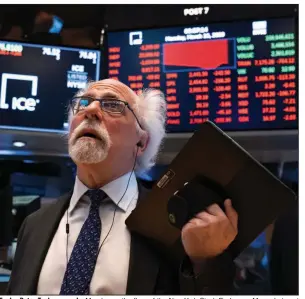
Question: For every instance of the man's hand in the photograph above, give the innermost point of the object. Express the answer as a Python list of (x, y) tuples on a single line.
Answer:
[(210, 232)]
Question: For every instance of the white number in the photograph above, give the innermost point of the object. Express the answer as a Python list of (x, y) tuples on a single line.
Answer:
[(11, 47), (83, 54), (56, 53), (218, 34), (196, 30), (88, 55), (46, 51), (51, 52)]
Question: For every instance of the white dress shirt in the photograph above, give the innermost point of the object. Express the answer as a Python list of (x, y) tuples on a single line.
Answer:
[(111, 269)]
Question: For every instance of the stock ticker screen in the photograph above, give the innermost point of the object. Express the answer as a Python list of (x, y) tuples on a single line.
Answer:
[(37, 82), (240, 75)]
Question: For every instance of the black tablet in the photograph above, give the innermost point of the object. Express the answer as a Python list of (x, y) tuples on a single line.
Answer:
[(257, 195)]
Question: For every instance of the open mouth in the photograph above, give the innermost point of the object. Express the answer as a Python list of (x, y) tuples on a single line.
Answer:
[(89, 135)]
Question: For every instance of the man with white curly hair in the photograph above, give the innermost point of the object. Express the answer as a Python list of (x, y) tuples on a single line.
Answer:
[(80, 245)]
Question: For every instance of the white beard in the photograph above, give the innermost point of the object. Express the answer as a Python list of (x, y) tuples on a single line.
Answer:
[(88, 150)]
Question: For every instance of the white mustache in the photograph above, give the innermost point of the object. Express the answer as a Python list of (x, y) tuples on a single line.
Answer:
[(101, 133)]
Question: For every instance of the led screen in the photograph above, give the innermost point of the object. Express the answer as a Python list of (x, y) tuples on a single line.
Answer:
[(240, 75)]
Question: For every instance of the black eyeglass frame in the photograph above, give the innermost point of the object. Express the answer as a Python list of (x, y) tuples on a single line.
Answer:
[(102, 100)]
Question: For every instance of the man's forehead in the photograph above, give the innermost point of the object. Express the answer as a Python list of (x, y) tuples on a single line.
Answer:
[(99, 93), (110, 86)]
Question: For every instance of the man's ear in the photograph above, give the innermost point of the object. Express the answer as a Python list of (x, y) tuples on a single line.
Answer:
[(143, 142)]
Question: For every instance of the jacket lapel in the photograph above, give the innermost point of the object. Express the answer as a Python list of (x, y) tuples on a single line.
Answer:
[(40, 240), (143, 264)]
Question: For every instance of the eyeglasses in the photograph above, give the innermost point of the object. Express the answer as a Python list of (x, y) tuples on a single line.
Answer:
[(110, 105)]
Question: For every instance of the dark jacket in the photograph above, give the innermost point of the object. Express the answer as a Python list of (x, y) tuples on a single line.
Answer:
[(149, 270)]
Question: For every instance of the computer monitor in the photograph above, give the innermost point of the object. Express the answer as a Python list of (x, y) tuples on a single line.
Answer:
[(37, 82), (241, 75)]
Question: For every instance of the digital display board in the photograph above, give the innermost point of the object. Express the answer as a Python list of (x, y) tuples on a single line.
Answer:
[(240, 75), (37, 82)]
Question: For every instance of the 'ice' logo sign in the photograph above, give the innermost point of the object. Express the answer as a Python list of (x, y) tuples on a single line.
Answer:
[(20, 103)]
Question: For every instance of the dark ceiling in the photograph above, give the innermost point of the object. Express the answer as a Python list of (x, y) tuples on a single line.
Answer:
[(73, 15), (83, 23), (123, 16)]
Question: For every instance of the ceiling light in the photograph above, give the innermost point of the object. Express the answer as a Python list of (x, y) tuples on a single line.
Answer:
[(18, 143)]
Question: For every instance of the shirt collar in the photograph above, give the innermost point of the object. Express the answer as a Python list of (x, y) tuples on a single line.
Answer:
[(115, 190)]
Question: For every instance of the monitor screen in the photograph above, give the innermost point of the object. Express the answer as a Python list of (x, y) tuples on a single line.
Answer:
[(240, 75), (37, 82)]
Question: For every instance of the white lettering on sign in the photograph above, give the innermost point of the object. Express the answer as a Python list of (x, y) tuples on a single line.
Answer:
[(78, 68), (24, 104), (197, 11), (21, 103)]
